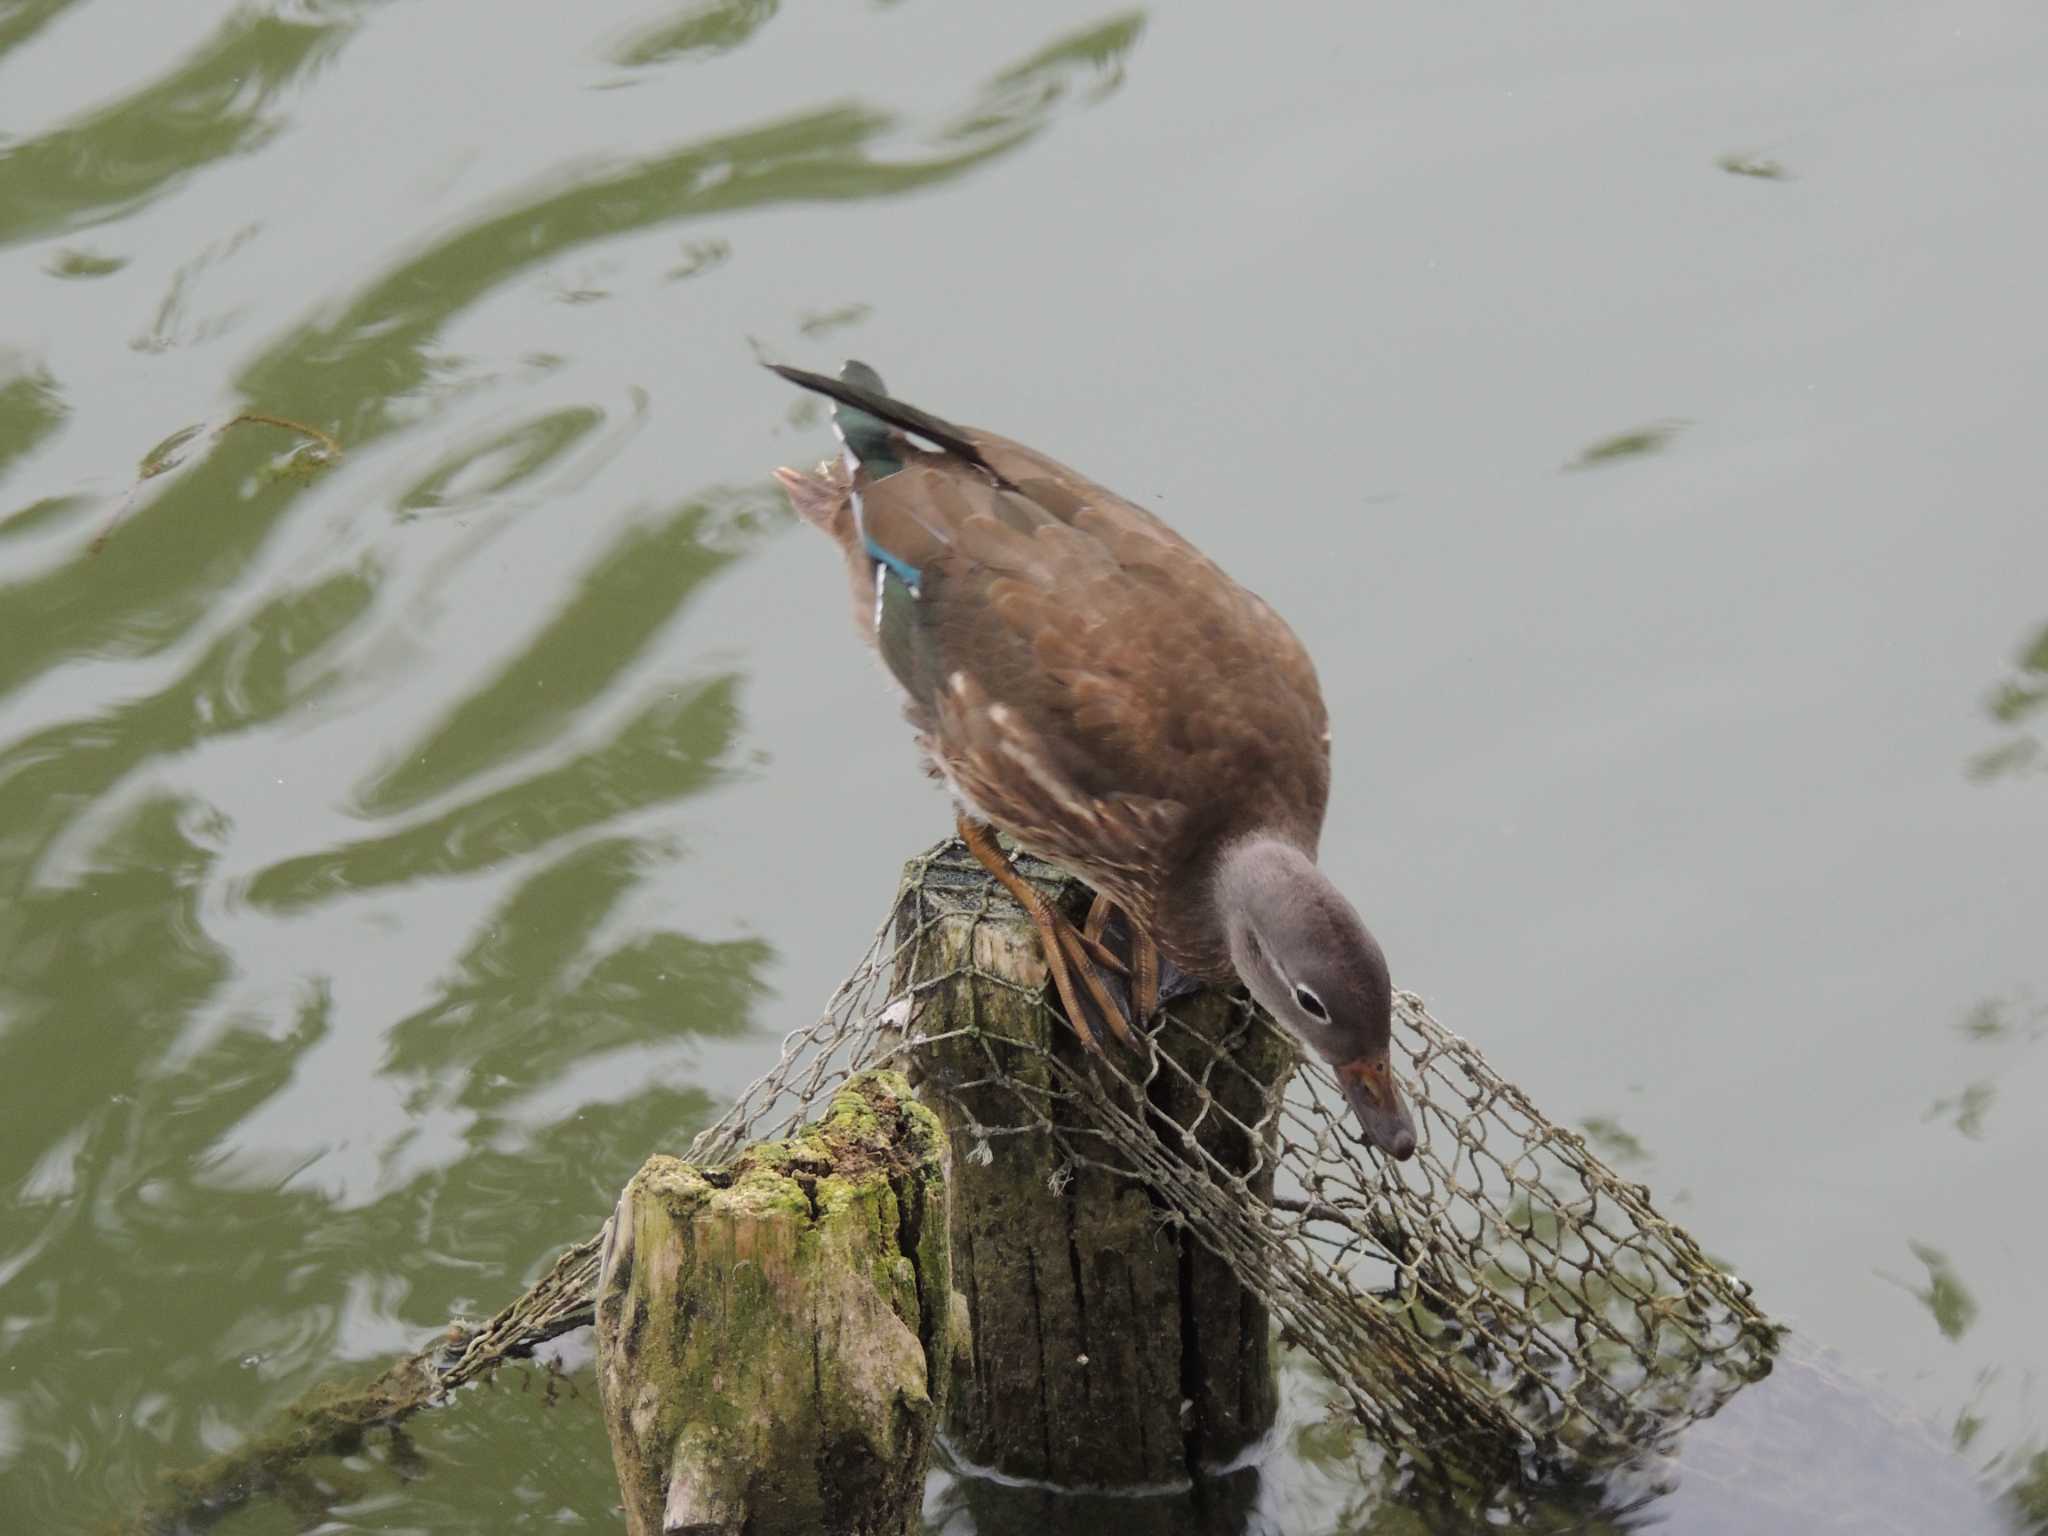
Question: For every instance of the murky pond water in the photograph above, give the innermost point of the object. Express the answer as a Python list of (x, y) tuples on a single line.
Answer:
[(1637, 412)]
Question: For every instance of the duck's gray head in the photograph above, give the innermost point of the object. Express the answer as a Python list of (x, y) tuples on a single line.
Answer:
[(1302, 952)]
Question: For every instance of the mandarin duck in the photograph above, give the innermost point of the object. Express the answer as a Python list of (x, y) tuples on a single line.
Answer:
[(1090, 684)]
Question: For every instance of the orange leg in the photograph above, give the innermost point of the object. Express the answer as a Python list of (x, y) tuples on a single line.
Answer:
[(1067, 950)]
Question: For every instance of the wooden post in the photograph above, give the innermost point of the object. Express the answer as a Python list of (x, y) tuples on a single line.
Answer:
[(775, 1336), (1109, 1348)]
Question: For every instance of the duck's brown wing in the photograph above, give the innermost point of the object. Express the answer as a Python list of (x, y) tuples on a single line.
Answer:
[(1091, 680)]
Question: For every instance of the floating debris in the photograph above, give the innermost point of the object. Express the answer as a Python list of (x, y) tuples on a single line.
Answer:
[(1633, 443), (72, 264), (1756, 167), (319, 451)]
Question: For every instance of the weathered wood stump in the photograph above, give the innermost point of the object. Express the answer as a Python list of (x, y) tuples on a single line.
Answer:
[(1109, 1349), (775, 1336)]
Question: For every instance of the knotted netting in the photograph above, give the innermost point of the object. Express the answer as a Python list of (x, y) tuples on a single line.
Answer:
[(1504, 1298)]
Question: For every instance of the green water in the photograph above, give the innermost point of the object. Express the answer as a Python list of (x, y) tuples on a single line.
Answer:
[(1638, 412)]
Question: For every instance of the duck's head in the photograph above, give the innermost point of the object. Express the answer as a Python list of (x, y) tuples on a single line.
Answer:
[(1304, 954)]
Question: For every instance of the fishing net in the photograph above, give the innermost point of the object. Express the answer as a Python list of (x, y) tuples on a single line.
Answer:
[(1502, 1306), (1503, 1298)]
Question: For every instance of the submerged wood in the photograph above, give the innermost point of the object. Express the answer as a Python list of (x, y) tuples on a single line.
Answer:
[(774, 1336), (338, 1418), (1108, 1347)]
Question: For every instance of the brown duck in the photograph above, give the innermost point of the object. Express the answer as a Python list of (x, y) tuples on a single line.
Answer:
[(1091, 684)]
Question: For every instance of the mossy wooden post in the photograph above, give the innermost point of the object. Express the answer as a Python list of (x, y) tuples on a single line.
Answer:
[(1108, 1347), (774, 1336)]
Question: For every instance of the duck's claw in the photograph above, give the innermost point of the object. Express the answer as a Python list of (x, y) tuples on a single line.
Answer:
[(1074, 959), (1094, 998)]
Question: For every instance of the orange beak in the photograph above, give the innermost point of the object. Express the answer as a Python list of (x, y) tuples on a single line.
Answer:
[(1369, 1089)]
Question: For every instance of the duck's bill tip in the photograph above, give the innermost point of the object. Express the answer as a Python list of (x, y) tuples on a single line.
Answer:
[(1397, 1141), (1399, 1145), (1375, 1102)]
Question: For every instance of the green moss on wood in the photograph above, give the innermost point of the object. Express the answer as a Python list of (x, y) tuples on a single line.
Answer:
[(763, 1327)]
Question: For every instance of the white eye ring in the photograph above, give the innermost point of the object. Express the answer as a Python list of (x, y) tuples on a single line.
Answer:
[(1310, 1004)]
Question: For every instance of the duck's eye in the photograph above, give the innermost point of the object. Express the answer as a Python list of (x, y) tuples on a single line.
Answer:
[(1311, 1005)]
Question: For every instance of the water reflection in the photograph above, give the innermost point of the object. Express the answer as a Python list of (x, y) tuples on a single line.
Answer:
[(823, 322), (671, 748), (2020, 704), (607, 620), (31, 408), (1947, 1300), (382, 339), (537, 992), (349, 374), (25, 19), (1756, 167), (75, 262), (1615, 1141), (1089, 64), (2004, 1027), (1815, 1449), (2003, 1018), (1967, 1109), (254, 673), (699, 256), (173, 325), (2028, 1496), (1635, 443), (182, 543), (128, 1173), (221, 100), (703, 28), (471, 474), (236, 1155)]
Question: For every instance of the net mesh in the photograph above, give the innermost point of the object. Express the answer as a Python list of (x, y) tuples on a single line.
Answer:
[(1504, 1296)]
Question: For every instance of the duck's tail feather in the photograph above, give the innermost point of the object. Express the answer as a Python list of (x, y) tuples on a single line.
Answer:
[(863, 413), (867, 438)]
